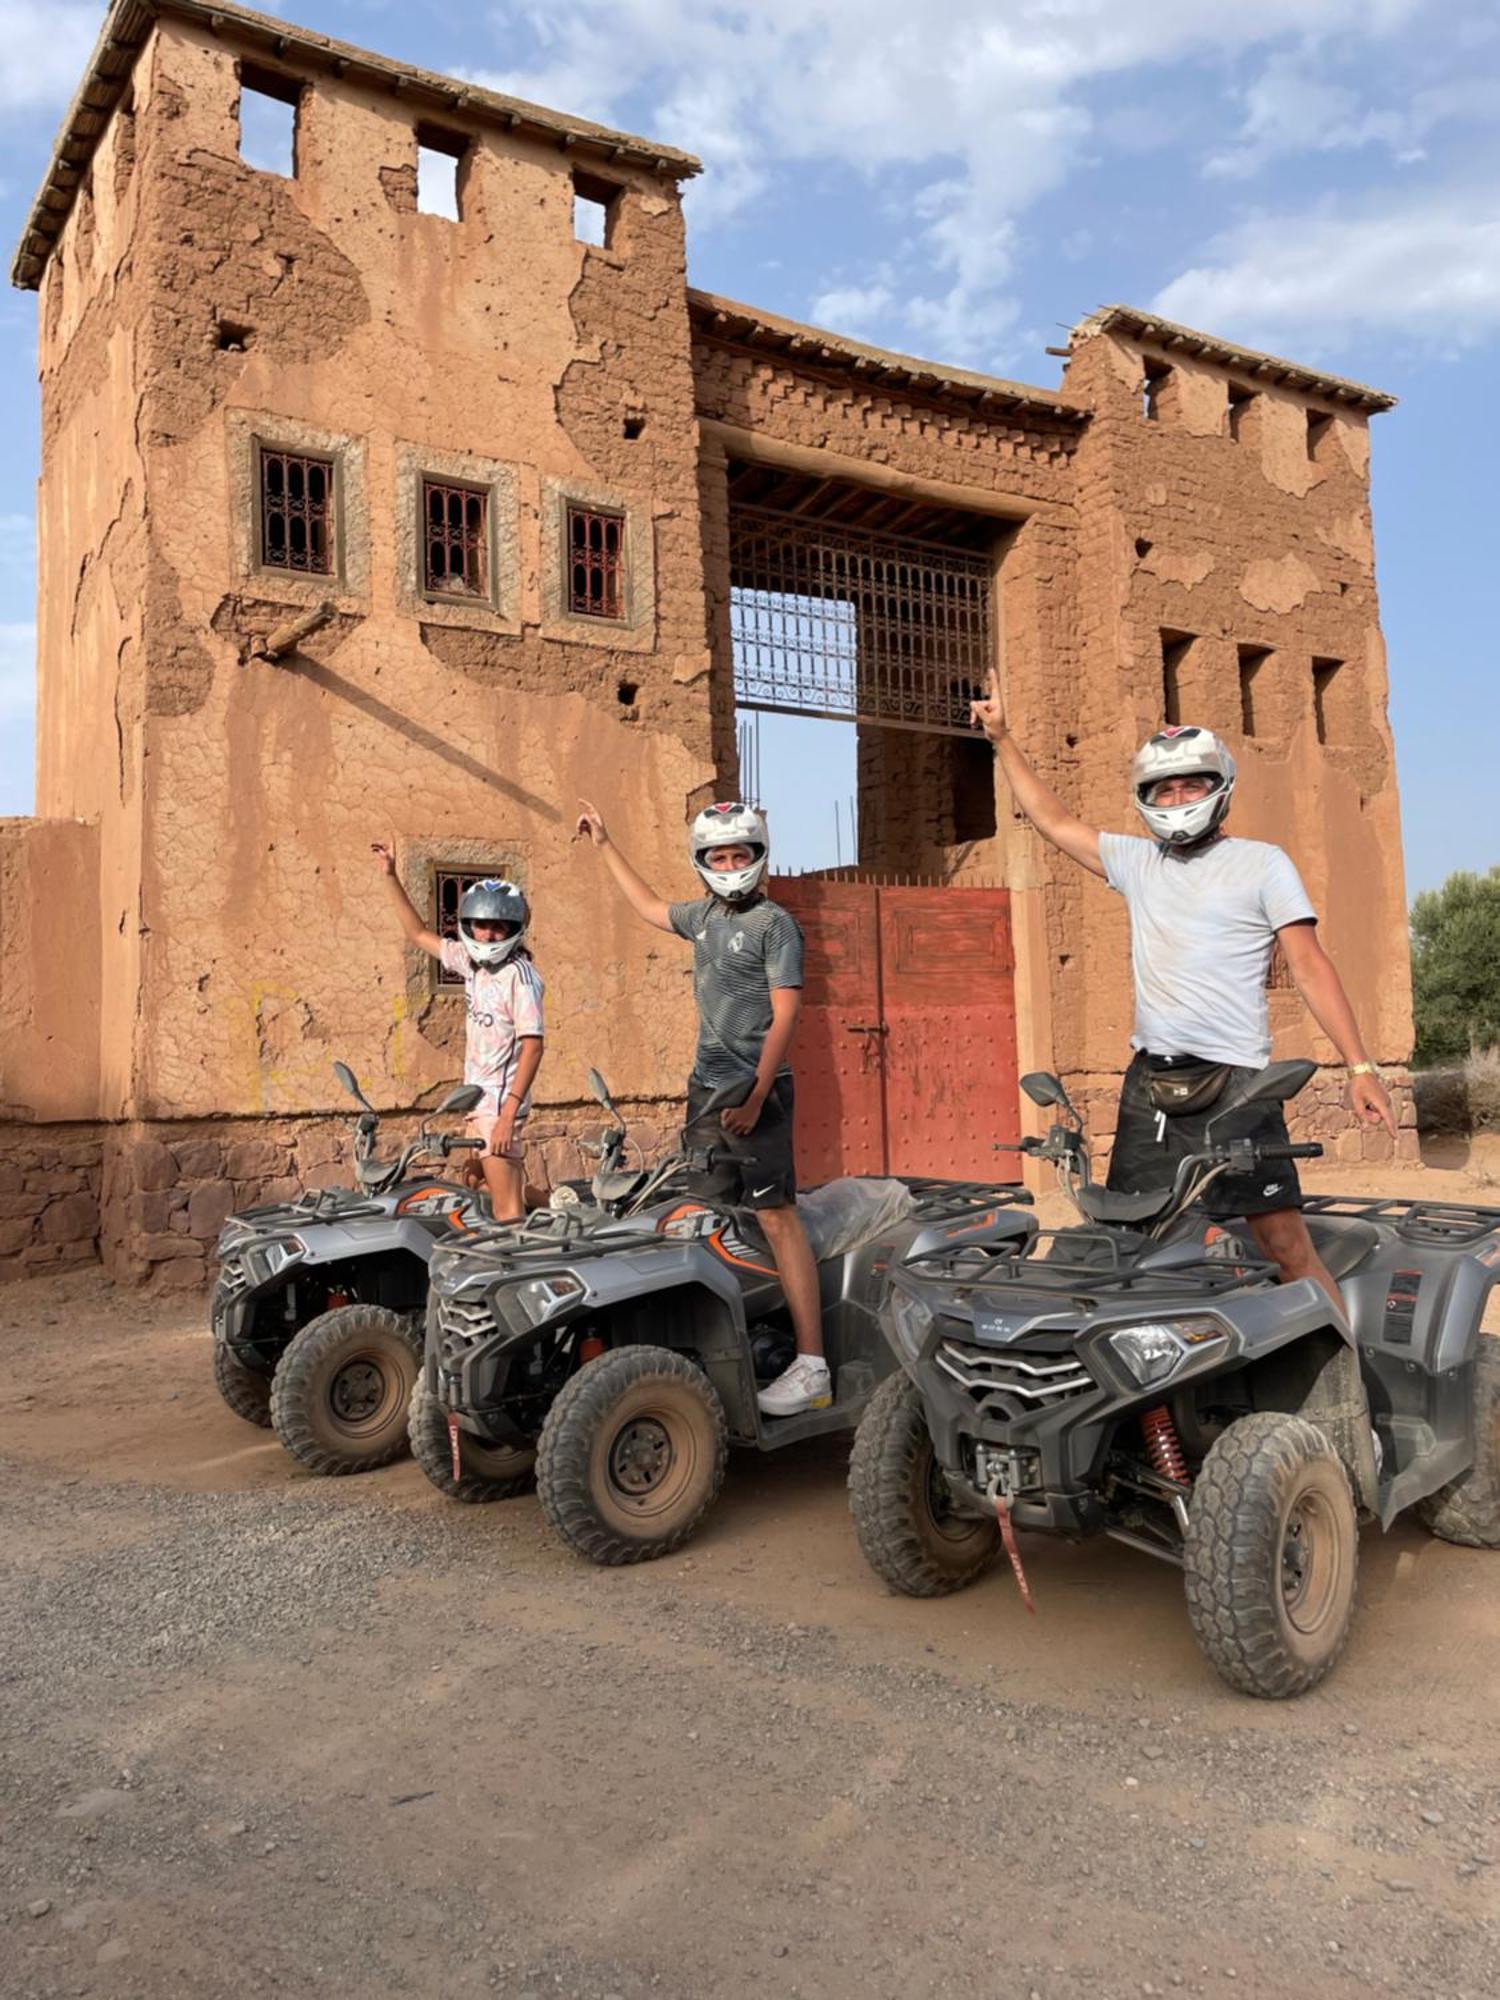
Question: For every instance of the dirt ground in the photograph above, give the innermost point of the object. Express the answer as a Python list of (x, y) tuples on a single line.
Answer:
[(265, 1734)]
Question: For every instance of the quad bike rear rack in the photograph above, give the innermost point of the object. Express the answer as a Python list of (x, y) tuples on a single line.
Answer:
[(1443, 1224), (1099, 1273)]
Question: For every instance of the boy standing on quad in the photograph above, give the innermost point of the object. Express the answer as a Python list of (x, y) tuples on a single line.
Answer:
[(1205, 914), (503, 996), (747, 981)]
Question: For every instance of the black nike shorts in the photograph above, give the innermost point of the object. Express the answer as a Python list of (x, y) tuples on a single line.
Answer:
[(1148, 1149), (765, 1160)]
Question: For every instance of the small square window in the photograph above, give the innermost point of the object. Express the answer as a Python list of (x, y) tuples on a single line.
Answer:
[(1251, 660), (298, 530), (448, 889), (1175, 648), (1241, 412), (440, 163), (455, 540), (596, 545), (1325, 673), (1319, 430), (1155, 377), (596, 207), (268, 112)]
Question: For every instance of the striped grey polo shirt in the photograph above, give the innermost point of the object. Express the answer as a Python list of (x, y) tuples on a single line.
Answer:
[(739, 955)]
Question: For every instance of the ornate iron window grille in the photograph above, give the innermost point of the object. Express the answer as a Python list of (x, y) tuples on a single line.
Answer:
[(296, 512), (456, 531), (448, 887), (855, 625), (596, 547)]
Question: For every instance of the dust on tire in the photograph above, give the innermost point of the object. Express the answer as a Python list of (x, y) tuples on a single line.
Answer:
[(1467, 1509), (245, 1390), (903, 1530), (489, 1472), (341, 1391)]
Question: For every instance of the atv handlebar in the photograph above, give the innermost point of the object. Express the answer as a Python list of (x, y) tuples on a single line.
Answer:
[(449, 1144), (1311, 1151)]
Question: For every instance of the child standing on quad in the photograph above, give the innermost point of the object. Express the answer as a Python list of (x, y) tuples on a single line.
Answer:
[(503, 995), (747, 981)]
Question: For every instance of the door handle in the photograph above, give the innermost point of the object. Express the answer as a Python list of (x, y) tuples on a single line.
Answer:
[(866, 1028)]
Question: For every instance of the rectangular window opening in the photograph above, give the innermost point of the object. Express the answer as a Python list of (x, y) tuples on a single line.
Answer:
[(1241, 406), (972, 777), (297, 523), (1175, 647), (1324, 674), (269, 105), (449, 886), (1157, 375), (440, 163), (1252, 659), (1319, 427), (595, 209), (455, 540), (596, 543)]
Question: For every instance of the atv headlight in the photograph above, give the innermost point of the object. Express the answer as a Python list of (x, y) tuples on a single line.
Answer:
[(1156, 1348), (910, 1321), (266, 1260), (540, 1298)]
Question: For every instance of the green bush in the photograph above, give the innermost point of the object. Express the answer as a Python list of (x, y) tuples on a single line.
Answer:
[(1455, 964)]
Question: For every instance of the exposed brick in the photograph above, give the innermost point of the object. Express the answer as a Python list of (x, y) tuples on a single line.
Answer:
[(199, 1159), (254, 1160), (149, 1213)]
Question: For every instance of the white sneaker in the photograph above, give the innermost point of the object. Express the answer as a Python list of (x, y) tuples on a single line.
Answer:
[(806, 1385)]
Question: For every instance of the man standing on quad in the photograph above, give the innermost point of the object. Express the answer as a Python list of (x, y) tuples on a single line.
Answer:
[(747, 981), (1206, 912)]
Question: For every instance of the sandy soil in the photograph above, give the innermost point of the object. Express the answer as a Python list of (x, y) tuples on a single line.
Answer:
[(267, 1734)]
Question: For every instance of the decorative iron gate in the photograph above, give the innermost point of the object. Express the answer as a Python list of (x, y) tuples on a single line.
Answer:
[(855, 625)]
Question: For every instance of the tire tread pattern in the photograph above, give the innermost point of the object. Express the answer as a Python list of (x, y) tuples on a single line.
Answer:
[(1232, 1565), (293, 1393), (427, 1429), (883, 1469), (1467, 1509), (245, 1390), (563, 1449)]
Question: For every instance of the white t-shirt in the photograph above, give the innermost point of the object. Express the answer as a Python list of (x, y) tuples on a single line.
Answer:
[(504, 1006), (1201, 934)]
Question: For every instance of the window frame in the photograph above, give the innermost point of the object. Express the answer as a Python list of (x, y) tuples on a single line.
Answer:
[(260, 446), (634, 630), (467, 874), (574, 509), (484, 599), (281, 87)]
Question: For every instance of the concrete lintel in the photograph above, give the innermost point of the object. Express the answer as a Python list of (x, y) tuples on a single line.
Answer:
[(760, 449)]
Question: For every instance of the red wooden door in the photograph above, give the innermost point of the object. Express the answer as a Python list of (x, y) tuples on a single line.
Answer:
[(840, 1093), (948, 1004), (906, 1052)]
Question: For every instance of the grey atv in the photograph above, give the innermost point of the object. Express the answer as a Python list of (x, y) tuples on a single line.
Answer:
[(612, 1346), (318, 1306), (1143, 1375)]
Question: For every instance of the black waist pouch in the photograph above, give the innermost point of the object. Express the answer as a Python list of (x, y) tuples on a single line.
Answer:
[(1176, 1084)]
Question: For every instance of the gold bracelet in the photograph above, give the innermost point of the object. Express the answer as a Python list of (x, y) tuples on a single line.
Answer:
[(1363, 1069)]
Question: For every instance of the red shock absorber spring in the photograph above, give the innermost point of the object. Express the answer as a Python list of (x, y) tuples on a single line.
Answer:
[(1163, 1446)]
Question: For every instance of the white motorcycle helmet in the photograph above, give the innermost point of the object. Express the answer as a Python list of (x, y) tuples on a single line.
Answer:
[(492, 901), (1182, 751), (731, 825)]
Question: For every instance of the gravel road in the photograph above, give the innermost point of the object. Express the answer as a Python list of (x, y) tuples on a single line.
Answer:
[(265, 1734)]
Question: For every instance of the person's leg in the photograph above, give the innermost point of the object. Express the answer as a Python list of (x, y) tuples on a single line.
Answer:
[(798, 1271), (1282, 1236), (505, 1183)]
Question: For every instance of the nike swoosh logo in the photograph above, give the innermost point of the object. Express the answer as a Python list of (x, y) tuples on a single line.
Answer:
[(765, 1190)]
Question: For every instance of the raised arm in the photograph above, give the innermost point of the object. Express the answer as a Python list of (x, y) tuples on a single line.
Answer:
[(414, 930), (1037, 800), (642, 899)]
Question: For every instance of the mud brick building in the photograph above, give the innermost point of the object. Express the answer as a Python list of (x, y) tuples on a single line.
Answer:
[(359, 520)]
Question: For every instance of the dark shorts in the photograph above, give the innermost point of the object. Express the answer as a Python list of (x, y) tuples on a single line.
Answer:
[(1147, 1151), (764, 1158)]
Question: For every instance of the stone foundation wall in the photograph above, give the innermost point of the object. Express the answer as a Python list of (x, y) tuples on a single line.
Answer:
[(149, 1200)]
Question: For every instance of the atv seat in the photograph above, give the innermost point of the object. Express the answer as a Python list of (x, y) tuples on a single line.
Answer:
[(1343, 1242), (1117, 1205)]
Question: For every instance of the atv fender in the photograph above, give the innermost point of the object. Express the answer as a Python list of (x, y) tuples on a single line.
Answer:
[(1306, 1363)]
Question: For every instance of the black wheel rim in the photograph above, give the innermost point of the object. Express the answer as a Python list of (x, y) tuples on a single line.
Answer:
[(364, 1394), (640, 1457)]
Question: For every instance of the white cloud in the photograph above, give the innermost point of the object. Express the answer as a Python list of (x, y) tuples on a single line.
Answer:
[(985, 106), (17, 671), (853, 309), (43, 50), (1427, 270)]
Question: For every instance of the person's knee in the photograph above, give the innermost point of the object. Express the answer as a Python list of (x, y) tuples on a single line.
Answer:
[(1284, 1239)]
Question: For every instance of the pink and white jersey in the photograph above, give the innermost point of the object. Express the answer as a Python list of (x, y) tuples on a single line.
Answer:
[(504, 1006)]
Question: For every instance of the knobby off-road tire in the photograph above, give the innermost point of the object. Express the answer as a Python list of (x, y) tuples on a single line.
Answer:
[(340, 1393), (247, 1392), (631, 1455), (1271, 1554), (490, 1471), (1467, 1509), (904, 1522)]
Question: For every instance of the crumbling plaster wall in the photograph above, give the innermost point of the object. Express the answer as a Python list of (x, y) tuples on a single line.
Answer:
[(271, 948)]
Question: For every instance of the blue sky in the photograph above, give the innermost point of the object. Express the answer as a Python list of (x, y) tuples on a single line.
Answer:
[(1317, 177)]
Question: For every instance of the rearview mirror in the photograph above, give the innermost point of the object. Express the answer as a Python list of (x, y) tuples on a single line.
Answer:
[(463, 1098), (350, 1082), (1275, 1084), (1043, 1088), (600, 1089)]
